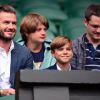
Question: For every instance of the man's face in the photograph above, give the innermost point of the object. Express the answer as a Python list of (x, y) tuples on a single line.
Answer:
[(93, 28), (64, 54), (39, 35), (7, 26)]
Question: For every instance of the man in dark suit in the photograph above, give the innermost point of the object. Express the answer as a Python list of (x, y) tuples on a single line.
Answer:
[(13, 56)]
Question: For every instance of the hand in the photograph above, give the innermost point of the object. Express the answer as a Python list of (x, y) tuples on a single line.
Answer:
[(6, 92)]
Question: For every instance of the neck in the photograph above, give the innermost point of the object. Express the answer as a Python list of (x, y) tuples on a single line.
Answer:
[(34, 47), (94, 42), (64, 66), (6, 45)]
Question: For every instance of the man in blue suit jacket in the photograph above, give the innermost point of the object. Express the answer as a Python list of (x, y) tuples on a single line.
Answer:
[(13, 56), (21, 58)]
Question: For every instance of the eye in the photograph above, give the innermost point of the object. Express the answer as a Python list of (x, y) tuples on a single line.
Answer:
[(39, 29), (6, 22), (14, 23), (60, 49), (45, 29), (95, 26), (69, 49)]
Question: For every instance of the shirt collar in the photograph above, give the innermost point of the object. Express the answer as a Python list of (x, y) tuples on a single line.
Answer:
[(85, 39), (11, 47), (58, 68)]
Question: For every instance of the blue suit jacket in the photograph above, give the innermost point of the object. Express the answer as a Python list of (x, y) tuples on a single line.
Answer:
[(21, 58), (54, 67)]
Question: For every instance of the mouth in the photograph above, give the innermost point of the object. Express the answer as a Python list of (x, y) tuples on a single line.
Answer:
[(97, 34), (65, 57), (42, 37), (10, 33)]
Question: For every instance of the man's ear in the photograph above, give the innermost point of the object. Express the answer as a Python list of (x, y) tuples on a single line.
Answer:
[(85, 22)]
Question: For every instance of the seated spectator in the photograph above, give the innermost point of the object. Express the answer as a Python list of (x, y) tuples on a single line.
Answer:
[(33, 30), (87, 47), (61, 49), (13, 56)]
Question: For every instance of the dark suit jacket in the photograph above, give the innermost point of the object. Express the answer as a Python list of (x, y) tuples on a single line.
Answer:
[(54, 67), (21, 58)]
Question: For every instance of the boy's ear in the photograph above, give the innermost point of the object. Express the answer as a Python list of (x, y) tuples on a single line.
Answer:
[(52, 52), (26, 34)]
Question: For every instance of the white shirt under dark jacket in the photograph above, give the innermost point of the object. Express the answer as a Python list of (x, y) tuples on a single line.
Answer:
[(5, 62), (58, 68)]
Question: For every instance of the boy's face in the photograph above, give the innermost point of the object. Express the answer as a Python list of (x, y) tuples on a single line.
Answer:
[(39, 35), (64, 54)]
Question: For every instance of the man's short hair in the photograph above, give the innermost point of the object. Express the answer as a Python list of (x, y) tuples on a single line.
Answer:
[(7, 8), (93, 9)]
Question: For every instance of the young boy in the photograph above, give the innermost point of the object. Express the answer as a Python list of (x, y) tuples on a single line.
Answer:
[(61, 49), (33, 30)]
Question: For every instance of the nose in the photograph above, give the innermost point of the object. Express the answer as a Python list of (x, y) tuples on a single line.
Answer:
[(10, 25), (43, 32), (98, 30), (65, 51)]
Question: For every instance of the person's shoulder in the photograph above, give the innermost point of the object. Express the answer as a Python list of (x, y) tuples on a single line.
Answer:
[(53, 67), (20, 47), (47, 43), (77, 41)]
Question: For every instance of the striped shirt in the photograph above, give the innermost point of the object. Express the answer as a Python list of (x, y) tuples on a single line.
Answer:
[(92, 56)]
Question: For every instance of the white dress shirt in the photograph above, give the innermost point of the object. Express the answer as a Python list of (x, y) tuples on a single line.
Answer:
[(5, 62)]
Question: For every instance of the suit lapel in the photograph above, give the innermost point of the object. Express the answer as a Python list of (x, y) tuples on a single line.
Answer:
[(14, 59), (55, 67)]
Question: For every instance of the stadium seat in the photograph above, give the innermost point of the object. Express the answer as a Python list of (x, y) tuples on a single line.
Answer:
[(76, 8), (73, 28), (18, 35)]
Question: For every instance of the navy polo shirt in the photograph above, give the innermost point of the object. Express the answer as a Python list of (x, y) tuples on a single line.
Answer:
[(38, 58), (92, 56)]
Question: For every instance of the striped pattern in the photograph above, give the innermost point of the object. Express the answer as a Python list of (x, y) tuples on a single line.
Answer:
[(92, 56)]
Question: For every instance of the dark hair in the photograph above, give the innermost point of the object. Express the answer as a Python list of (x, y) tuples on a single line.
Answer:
[(7, 8), (93, 9), (30, 22), (59, 42)]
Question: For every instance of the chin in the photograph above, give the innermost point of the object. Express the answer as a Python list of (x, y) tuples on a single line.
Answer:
[(64, 62), (41, 41), (97, 38)]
